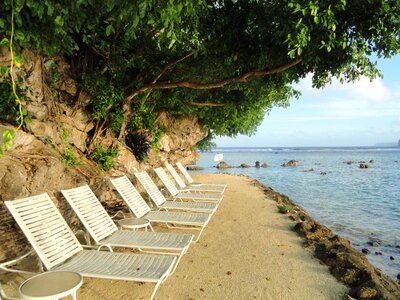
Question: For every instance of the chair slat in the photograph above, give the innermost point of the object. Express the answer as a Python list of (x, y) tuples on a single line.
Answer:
[(167, 181), (151, 188), (91, 213), (131, 196), (44, 239)]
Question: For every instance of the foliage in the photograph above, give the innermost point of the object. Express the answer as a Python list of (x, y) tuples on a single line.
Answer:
[(284, 209), (7, 141), (69, 157), (106, 100), (8, 107), (207, 143), (139, 143), (227, 62), (105, 158)]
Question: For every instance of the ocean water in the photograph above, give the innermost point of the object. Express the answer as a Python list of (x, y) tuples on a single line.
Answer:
[(362, 205)]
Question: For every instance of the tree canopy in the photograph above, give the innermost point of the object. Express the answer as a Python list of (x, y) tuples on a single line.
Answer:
[(227, 62)]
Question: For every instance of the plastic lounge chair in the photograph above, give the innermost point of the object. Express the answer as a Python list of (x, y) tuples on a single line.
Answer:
[(59, 249), (126, 189), (181, 195), (192, 182), (196, 188), (104, 232), (140, 209)]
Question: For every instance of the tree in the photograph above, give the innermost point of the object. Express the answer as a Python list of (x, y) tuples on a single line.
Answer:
[(228, 62)]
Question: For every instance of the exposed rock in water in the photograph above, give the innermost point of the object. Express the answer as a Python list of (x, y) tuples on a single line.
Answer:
[(365, 251), (309, 170), (194, 168), (244, 166), (291, 163), (264, 165), (372, 161), (257, 164), (223, 165), (349, 162), (364, 166), (323, 173)]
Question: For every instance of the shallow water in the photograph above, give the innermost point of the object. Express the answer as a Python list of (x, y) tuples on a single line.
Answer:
[(361, 205)]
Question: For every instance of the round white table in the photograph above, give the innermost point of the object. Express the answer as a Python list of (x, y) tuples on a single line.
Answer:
[(135, 223), (51, 285)]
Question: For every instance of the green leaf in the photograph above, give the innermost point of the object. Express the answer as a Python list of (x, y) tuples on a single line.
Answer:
[(4, 43), (4, 71), (59, 21), (109, 29)]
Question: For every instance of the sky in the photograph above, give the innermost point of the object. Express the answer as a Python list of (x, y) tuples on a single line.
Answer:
[(353, 114)]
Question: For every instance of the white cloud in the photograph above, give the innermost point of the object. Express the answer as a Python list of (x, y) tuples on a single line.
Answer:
[(362, 98)]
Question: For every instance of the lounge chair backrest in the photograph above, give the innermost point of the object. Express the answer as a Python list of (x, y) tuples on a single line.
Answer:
[(90, 211), (151, 188), (166, 181), (175, 175), (131, 196), (45, 229), (184, 172)]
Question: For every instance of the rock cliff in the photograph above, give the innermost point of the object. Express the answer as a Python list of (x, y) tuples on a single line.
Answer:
[(61, 124)]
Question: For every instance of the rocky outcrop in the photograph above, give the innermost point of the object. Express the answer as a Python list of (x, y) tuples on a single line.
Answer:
[(223, 165), (60, 122), (291, 163), (364, 166)]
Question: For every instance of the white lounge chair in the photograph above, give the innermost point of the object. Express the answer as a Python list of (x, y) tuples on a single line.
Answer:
[(140, 209), (192, 182), (181, 195), (126, 189), (104, 232), (59, 249), (190, 188)]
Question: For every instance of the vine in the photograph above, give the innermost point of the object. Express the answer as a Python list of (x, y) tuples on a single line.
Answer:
[(9, 134)]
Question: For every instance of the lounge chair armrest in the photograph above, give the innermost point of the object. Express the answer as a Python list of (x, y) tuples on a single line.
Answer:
[(5, 265)]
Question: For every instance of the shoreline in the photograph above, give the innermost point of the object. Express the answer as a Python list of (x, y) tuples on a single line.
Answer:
[(347, 264)]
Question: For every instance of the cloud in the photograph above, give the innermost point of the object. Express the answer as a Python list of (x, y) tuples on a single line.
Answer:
[(363, 98)]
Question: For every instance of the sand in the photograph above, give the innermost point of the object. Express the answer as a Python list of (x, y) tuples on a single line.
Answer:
[(247, 251)]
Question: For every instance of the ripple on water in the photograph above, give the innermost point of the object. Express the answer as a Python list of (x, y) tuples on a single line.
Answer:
[(356, 203)]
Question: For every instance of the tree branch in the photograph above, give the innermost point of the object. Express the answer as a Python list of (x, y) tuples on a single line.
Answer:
[(207, 104), (169, 65), (214, 85)]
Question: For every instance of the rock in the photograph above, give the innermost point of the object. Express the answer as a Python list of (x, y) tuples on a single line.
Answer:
[(69, 86), (244, 166), (372, 161), (391, 258), (257, 164), (374, 243), (365, 251), (291, 163), (364, 166), (378, 253), (366, 293), (322, 173), (362, 162), (398, 276), (223, 165), (309, 170), (349, 162), (264, 165), (194, 168)]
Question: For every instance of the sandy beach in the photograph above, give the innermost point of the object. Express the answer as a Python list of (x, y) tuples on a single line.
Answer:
[(248, 251)]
